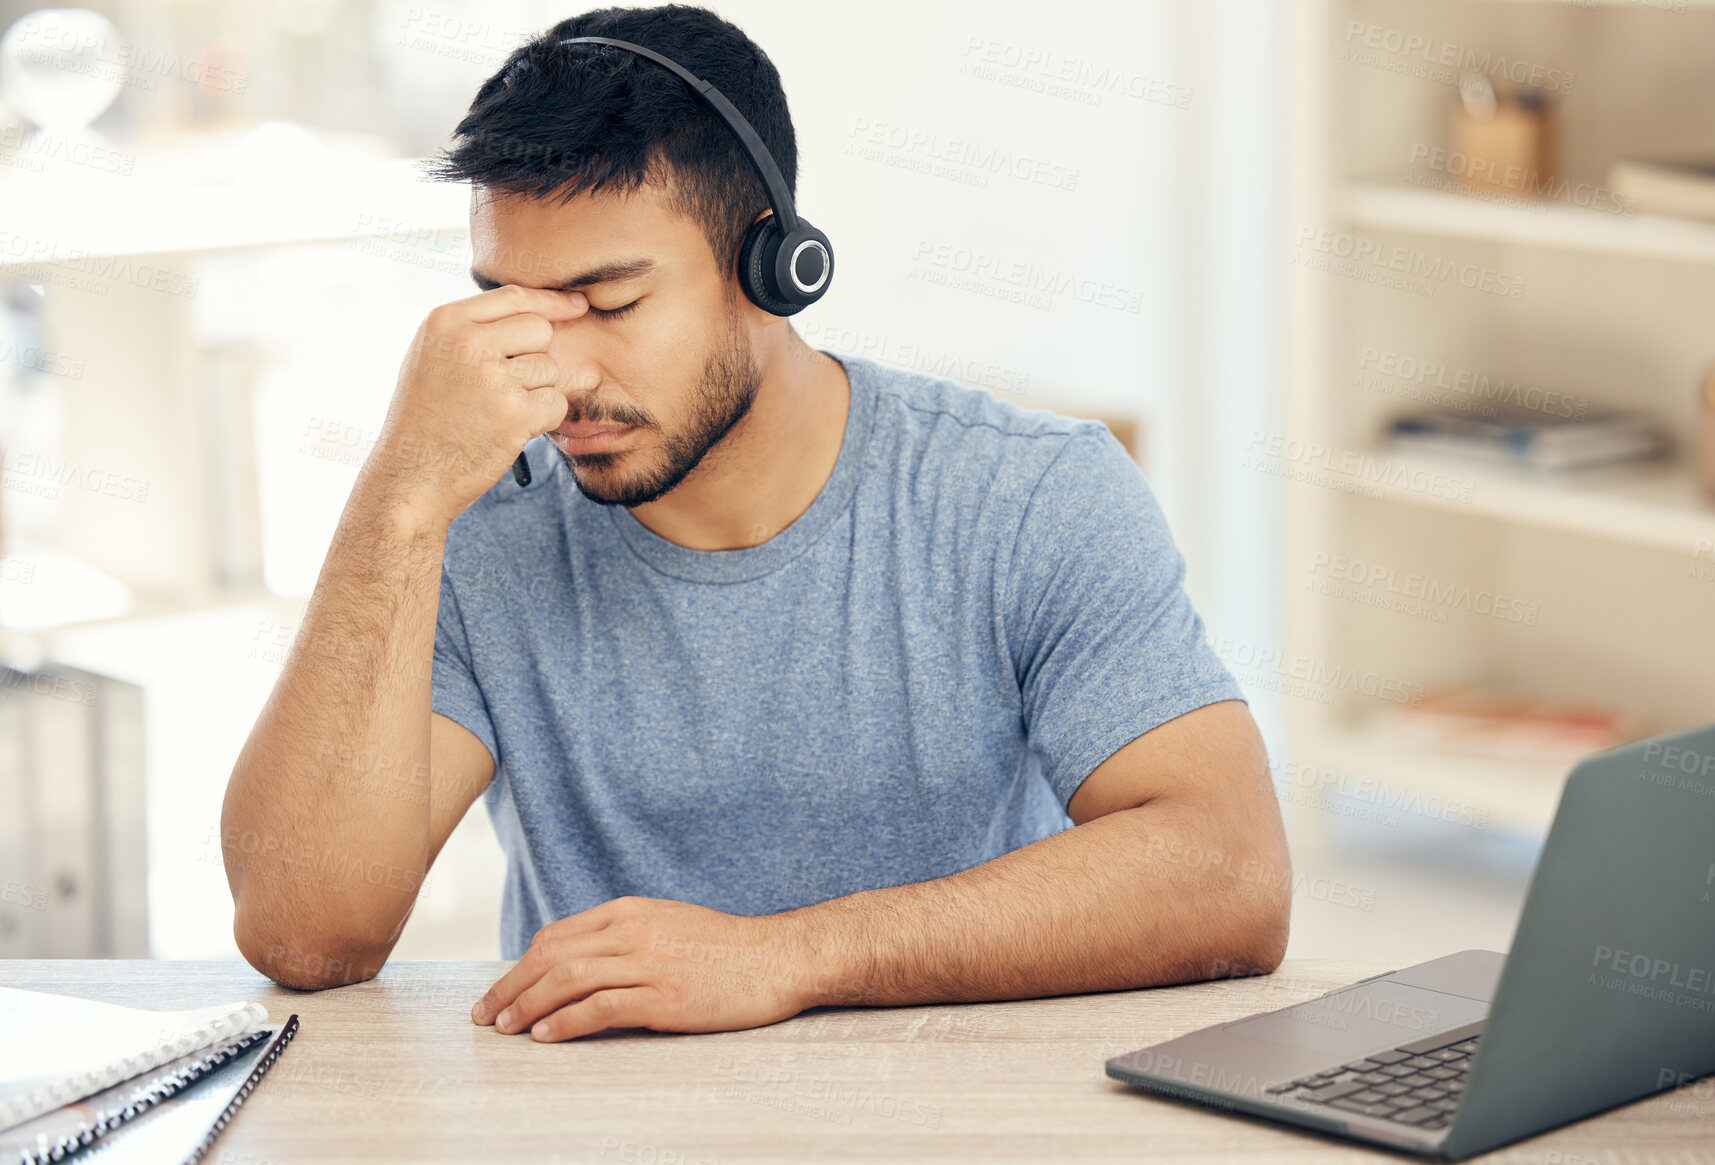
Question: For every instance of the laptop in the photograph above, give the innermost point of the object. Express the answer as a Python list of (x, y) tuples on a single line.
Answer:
[(1607, 996)]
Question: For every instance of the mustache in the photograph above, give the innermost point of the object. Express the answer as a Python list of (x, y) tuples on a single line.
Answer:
[(584, 415)]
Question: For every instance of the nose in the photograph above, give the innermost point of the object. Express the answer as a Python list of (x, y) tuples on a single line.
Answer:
[(580, 378)]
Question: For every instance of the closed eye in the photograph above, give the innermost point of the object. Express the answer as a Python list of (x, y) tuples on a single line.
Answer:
[(614, 313)]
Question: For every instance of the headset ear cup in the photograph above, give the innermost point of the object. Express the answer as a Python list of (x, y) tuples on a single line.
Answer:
[(810, 250), (756, 267)]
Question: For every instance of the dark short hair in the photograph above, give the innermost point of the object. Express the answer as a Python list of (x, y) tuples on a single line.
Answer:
[(561, 120)]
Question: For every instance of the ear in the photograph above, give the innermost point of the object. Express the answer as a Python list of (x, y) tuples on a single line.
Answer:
[(757, 317), (759, 217)]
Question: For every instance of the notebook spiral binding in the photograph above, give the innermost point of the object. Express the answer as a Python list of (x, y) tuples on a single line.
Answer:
[(289, 1030), (49, 1098), (167, 1087)]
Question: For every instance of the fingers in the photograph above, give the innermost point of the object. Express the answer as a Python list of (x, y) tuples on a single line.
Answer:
[(533, 370), (524, 974), (549, 946), (549, 407), (568, 981), (516, 334), (513, 299), (615, 1007)]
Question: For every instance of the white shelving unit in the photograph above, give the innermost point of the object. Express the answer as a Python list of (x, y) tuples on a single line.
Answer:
[(116, 261), (1430, 212), (121, 264), (1615, 311), (381, 198), (1655, 506)]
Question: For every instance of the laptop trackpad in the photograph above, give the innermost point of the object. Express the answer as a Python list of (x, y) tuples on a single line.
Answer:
[(1362, 1019)]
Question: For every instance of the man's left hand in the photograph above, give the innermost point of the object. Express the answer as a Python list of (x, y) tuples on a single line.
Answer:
[(654, 963)]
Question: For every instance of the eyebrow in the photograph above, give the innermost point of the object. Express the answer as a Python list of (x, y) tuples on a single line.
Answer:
[(611, 272)]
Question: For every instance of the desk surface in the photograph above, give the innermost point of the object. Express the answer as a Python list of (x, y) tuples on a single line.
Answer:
[(393, 1070)]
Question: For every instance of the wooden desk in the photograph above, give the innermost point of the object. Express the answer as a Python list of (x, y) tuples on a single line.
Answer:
[(393, 1070)]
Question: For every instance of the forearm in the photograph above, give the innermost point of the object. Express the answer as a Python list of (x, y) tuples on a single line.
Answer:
[(1178, 873), (1146, 896), (314, 804)]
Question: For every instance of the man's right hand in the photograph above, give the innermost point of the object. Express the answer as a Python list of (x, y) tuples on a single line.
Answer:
[(476, 385)]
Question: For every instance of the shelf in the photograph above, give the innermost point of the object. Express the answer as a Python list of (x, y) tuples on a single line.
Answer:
[(1657, 506), (78, 222), (1664, 7), (1613, 298), (1507, 795), (1430, 212), (107, 608)]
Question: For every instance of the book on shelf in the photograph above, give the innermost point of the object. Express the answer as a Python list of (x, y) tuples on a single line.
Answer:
[(1493, 724), (1534, 440), (1683, 189)]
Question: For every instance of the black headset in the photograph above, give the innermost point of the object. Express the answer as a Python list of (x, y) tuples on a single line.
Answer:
[(784, 264)]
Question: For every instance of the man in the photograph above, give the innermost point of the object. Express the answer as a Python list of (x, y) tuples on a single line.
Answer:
[(784, 676)]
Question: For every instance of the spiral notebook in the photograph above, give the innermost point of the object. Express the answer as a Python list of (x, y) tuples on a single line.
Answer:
[(58, 1049), (170, 1114)]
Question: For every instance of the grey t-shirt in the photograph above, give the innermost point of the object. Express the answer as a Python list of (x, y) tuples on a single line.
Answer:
[(982, 605)]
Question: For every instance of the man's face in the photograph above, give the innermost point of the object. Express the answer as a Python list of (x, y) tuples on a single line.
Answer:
[(675, 364)]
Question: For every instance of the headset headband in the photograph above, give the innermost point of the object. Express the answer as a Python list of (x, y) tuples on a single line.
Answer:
[(778, 194)]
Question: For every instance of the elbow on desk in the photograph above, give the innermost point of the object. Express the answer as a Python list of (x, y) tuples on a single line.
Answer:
[(1253, 941), (307, 958), (1260, 945)]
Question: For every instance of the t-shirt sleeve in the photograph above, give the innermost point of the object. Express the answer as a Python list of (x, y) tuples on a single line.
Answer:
[(1104, 641), (453, 691)]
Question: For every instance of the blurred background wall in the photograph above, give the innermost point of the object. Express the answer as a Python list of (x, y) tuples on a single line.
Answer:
[(1248, 227)]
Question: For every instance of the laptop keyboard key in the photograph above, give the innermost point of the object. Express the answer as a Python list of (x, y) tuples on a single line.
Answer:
[(1412, 1116), (1444, 1039), (1419, 1084), (1337, 1092)]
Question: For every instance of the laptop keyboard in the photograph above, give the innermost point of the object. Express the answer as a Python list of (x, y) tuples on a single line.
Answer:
[(1418, 1084)]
